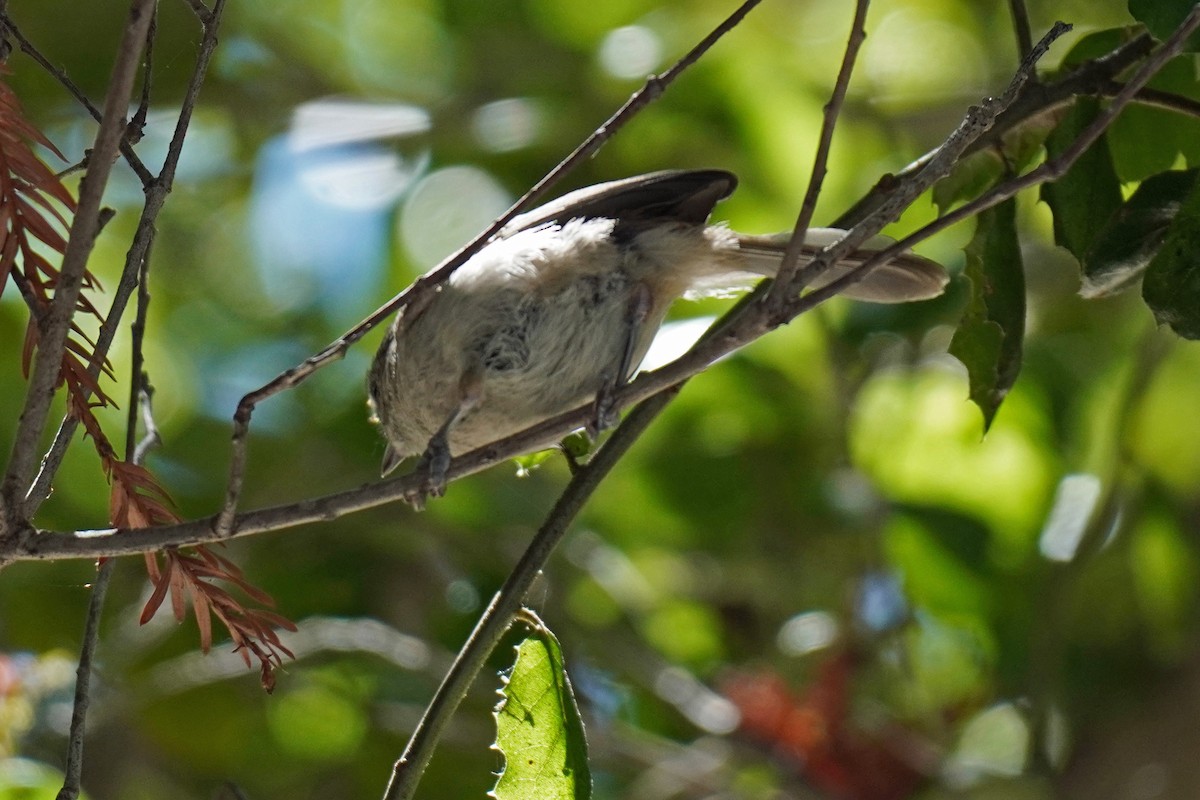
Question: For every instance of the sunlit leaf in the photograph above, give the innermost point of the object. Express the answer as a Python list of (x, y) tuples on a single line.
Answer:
[(989, 340), (1172, 284), (538, 729)]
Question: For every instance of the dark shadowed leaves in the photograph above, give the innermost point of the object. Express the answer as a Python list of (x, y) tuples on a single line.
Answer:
[(1082, 200), (989, 338), (1135, 234), (1172, 284), (1162, 17)]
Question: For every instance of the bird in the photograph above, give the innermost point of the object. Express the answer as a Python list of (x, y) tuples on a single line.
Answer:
[(561, 305)]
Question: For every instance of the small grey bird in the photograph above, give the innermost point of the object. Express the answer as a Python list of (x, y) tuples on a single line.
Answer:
[(561, 306)]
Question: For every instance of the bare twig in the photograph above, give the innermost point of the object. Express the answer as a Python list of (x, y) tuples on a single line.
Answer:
[(84, 226), (779, 292), (412, 298), (137, 123), (500, 612), (139, 250), (1020, 17)]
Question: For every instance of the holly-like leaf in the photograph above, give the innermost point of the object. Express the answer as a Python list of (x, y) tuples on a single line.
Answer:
[(1082, 200), (1135, 233), (990, 336), (538, 728), (1172, 284)]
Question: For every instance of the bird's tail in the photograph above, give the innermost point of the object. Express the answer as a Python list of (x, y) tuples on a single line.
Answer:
[(905, 278)]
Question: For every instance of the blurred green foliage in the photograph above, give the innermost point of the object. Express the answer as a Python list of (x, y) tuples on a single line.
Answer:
[(832, 460)]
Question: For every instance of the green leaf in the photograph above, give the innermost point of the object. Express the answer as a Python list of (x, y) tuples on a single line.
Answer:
[(1171, 133), (1172, 284), (970, 177), (1135, 233), (1083, 199), (1162, 17), (989, 339), (538, 728)]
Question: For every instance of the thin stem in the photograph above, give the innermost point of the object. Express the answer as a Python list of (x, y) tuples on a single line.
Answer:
[(411, 300), (1020, 17), (506, 603), (791, 258), (83, 683)]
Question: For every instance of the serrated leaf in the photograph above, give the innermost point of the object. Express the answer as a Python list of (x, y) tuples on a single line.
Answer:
[(538, 728), (1162, 17), (1135, 233), (1082, 200), (990, 337), (1172, 284)]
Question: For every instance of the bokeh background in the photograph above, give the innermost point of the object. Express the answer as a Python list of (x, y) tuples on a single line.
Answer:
[(813, 578)]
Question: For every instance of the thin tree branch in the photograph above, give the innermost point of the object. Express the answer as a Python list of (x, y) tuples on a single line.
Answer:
[(138, 254), (412, 298), (507, 602), (83, 683), (778, 294), (84, 227), (27, 47)]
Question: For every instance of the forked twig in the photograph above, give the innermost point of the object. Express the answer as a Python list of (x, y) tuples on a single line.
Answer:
[(412, 298)]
